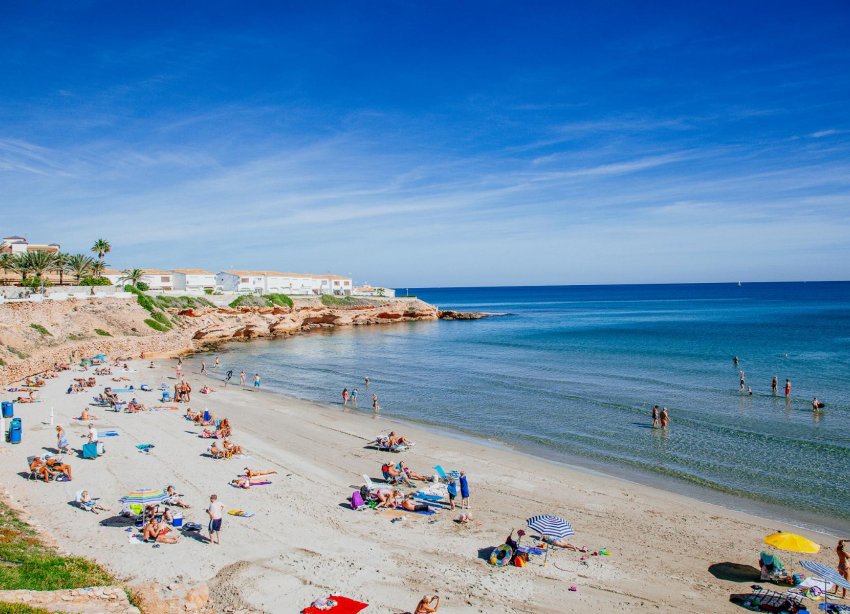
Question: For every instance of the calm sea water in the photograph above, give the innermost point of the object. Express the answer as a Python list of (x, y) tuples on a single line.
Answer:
[(572, 373)]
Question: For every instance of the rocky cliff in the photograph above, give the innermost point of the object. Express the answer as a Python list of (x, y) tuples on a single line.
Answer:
[(33, 336)]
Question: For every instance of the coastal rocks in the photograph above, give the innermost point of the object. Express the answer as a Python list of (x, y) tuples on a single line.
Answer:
[(450, 314), (175, 598), (107, 599)]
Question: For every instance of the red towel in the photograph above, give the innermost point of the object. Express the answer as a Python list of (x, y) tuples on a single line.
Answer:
[(344, 605)]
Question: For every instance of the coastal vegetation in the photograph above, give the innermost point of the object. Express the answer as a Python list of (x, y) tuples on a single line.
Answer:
[(102, 332), (28, 563), (329, 300), (265, 300), (181, 302), (157, 326), (41, 329)]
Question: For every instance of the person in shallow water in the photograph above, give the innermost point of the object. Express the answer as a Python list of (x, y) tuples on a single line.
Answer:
[(665, 418), (655, 416)]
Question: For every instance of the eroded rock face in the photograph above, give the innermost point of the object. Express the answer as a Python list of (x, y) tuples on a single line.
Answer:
[(72, 325), (461, 315)]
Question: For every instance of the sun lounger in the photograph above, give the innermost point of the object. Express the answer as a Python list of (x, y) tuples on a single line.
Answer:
[(444, 476), (33, 475)]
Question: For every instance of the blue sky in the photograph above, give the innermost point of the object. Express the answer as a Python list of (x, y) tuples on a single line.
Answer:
[(434, 143)]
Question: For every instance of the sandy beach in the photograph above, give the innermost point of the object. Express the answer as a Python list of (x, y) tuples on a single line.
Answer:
[(304, 541)]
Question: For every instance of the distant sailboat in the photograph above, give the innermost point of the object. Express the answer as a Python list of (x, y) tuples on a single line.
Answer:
[(739, 284)]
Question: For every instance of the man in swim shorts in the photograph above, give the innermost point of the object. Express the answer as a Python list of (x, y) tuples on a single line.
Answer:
[(215, 512)]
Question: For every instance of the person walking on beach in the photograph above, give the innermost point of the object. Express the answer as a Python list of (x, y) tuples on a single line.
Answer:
[(452, 489), (375, 401), (216, 363), (665, 418), (774, 384), (227, 377), (215, 512), (345, 396), (242, 378), (354, 397), (464, 491), (203, 367), (179, 370), (787, 388), (655, 416), (256, 380)]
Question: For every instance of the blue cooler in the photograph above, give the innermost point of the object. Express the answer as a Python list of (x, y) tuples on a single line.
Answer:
[(177, 520), (15, 431), (8, 409)]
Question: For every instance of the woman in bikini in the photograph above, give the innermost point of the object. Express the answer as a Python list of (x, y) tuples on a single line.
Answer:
[(843, 567)]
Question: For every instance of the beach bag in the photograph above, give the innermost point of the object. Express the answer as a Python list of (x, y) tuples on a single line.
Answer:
[(356, 500)]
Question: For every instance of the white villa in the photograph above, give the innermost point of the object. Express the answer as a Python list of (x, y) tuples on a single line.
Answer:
[(267, 282), (19, 245), (197, 280), (154, 278)]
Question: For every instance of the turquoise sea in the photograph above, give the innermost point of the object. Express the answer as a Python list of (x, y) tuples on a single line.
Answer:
[(571, 373)]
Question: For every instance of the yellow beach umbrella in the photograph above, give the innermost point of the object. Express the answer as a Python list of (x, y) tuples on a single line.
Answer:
[(791, 542)]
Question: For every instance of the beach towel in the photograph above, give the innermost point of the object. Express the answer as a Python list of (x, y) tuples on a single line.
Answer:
[(263, 483), (344, 605), (427, 497), (241, 513), (122, 389), (109, 434), (144, 447)]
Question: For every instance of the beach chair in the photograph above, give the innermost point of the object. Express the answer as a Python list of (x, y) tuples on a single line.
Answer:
[(101, 401), (51, 475), (772, 567), (166, 397), (220, 453), (444, 476)]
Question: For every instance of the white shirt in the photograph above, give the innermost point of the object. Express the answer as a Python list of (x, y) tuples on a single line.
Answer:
[(92, 435)]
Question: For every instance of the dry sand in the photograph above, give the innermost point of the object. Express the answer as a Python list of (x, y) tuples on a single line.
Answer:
[(305, 542)]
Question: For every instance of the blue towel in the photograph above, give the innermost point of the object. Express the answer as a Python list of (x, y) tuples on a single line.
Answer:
[(109, 434), (144, 446), (423, 512), (426, 497)]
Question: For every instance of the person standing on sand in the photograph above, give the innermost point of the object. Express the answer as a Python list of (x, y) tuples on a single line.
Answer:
[(774, 384), (787, 387), (375, 401), (216, 363), (665, 418), (655, 416), (256, 380), (843, 567), (345, 396), (203, 367), (464, 491), (215, 512), (179, 370), (242, 378)]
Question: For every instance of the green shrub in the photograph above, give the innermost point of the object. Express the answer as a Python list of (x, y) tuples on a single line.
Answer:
[(329, 300), (281, 300), (162, 319), (142, 286), (249, 300), (102, 332), (2, 364), (41, 329), (20, 608), (208, 290), (76, 337), (94, 281), (156, 325), (36, 566)]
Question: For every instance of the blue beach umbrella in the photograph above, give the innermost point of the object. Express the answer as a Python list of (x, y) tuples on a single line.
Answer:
[(827, 574), (550, 526)]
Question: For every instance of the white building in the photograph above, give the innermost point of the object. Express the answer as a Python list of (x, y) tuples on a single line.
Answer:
[(268, 282), (194, 280), (367, 290), (154, 278), (19, 245)]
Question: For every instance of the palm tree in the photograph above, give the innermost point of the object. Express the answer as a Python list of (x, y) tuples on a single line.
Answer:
[(38, 262), (80, 264), (7, 263), (61, 265), (20, 264), (134, 276), (101, 247), (98, 267)]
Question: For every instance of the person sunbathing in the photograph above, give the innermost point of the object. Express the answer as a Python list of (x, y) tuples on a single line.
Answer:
[(412, 474), (241, 482), (231, 447), (397, 476), (158, 531), (561, 543), (218, 452), (194, 416), (85, 416), (387, 497), (251, 473), (30, 398), (393, 440), (173, 500), (40, 469), (428, 605), (56, 465), (409, 504), (91, 505), (207, 390), (134, 406)]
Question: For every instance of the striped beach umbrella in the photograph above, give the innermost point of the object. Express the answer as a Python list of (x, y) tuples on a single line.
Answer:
[(550, 526), (827, 574), (144, 496)]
